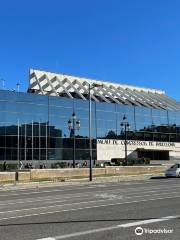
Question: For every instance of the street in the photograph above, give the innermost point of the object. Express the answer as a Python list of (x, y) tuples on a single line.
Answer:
[(92, 211)]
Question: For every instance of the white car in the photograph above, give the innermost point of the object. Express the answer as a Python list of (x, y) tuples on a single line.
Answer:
[(173, 171)]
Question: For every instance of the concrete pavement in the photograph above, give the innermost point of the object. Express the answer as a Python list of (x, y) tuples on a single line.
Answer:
[(92, 211)]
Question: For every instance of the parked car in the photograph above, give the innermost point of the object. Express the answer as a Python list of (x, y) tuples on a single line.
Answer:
[(173, 171)]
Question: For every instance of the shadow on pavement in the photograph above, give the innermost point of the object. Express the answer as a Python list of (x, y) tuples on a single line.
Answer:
[(162, 177), (76, 221), (158, 177)]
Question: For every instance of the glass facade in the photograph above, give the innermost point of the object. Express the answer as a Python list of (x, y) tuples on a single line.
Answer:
[(35, 127)]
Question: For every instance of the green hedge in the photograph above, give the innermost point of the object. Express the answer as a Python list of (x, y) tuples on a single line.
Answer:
[(131, 161), (59, 165), (138, 161), (9, 166)]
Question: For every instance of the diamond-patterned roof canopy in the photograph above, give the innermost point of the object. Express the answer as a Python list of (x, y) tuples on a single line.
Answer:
[(55, 84)]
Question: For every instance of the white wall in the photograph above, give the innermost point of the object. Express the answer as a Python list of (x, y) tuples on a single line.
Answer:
[(109, 148)]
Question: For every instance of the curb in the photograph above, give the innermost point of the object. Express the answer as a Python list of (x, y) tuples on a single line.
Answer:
[(82, 181)]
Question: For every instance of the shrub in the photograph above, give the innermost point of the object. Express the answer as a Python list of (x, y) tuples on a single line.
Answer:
[(59, 165), (131, 162), (138, 161), (147, 161), (10, 166)]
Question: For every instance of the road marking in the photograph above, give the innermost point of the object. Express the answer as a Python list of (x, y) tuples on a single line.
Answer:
[(37, 191), (81, 233), (139, 223), (70, 195), (89, 187), (106, 198), (76, 234), (48, 238), (51, 206), (46, 200), (87, 207)]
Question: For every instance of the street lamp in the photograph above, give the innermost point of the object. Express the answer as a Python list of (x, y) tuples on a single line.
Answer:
[(125, 126), (73, 125), (90, 127), (18, 86), (3, 83)]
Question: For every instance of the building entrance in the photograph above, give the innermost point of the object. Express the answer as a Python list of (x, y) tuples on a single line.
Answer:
[(153, 155)]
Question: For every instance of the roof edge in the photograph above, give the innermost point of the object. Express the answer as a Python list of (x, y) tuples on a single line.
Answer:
[(124, 86)]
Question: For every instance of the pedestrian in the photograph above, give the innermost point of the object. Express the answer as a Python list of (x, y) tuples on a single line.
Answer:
[(30, 166), (21, 165), (4, 166)]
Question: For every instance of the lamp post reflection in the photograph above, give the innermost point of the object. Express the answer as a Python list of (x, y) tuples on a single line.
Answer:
[(125, 126), (73, 125), (90, 127)]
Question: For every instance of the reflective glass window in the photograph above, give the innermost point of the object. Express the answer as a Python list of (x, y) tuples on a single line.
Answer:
[(106, 124), (172, 117), (2, 154), (82, 113), (11, 141), (123, 109), (57, 101), (61, 111), (172, 137), (2, 141), (107, 107), (178, 118), (178, 138), (82, 104), (106, 115), (148, 136), (83, 132)]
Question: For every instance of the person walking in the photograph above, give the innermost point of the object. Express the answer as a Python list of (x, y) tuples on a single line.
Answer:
[(21, 165), (4, 166)]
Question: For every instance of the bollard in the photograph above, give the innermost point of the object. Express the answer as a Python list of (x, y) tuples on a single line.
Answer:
[(17, 176)]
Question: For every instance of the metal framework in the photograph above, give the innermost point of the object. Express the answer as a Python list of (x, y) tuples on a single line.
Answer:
[(55, 84)]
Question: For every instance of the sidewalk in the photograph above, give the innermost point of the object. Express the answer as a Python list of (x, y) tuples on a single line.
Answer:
[(82, 181)]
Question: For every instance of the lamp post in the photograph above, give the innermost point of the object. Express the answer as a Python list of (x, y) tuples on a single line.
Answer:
[(73, 125), (3, 83), (125, 126), (18, 86), (90, 127)]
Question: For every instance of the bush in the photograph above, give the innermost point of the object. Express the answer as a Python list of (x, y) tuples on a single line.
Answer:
[(147, 161), (10, 166), (131, 162), (138, 161), (59, 165), (117, 161), (107, 164)]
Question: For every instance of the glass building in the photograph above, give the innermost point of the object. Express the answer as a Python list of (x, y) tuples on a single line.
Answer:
[(34, 125)]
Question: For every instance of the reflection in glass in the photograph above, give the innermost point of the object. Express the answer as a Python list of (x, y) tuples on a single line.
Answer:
[(45, 121)]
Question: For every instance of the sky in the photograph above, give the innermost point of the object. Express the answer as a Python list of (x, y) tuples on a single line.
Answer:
[(134, 42)]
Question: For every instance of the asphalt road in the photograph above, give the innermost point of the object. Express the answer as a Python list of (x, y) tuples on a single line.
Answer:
[(92, 211)]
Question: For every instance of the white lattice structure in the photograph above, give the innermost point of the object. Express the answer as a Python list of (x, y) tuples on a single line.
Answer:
[(55, 84)]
